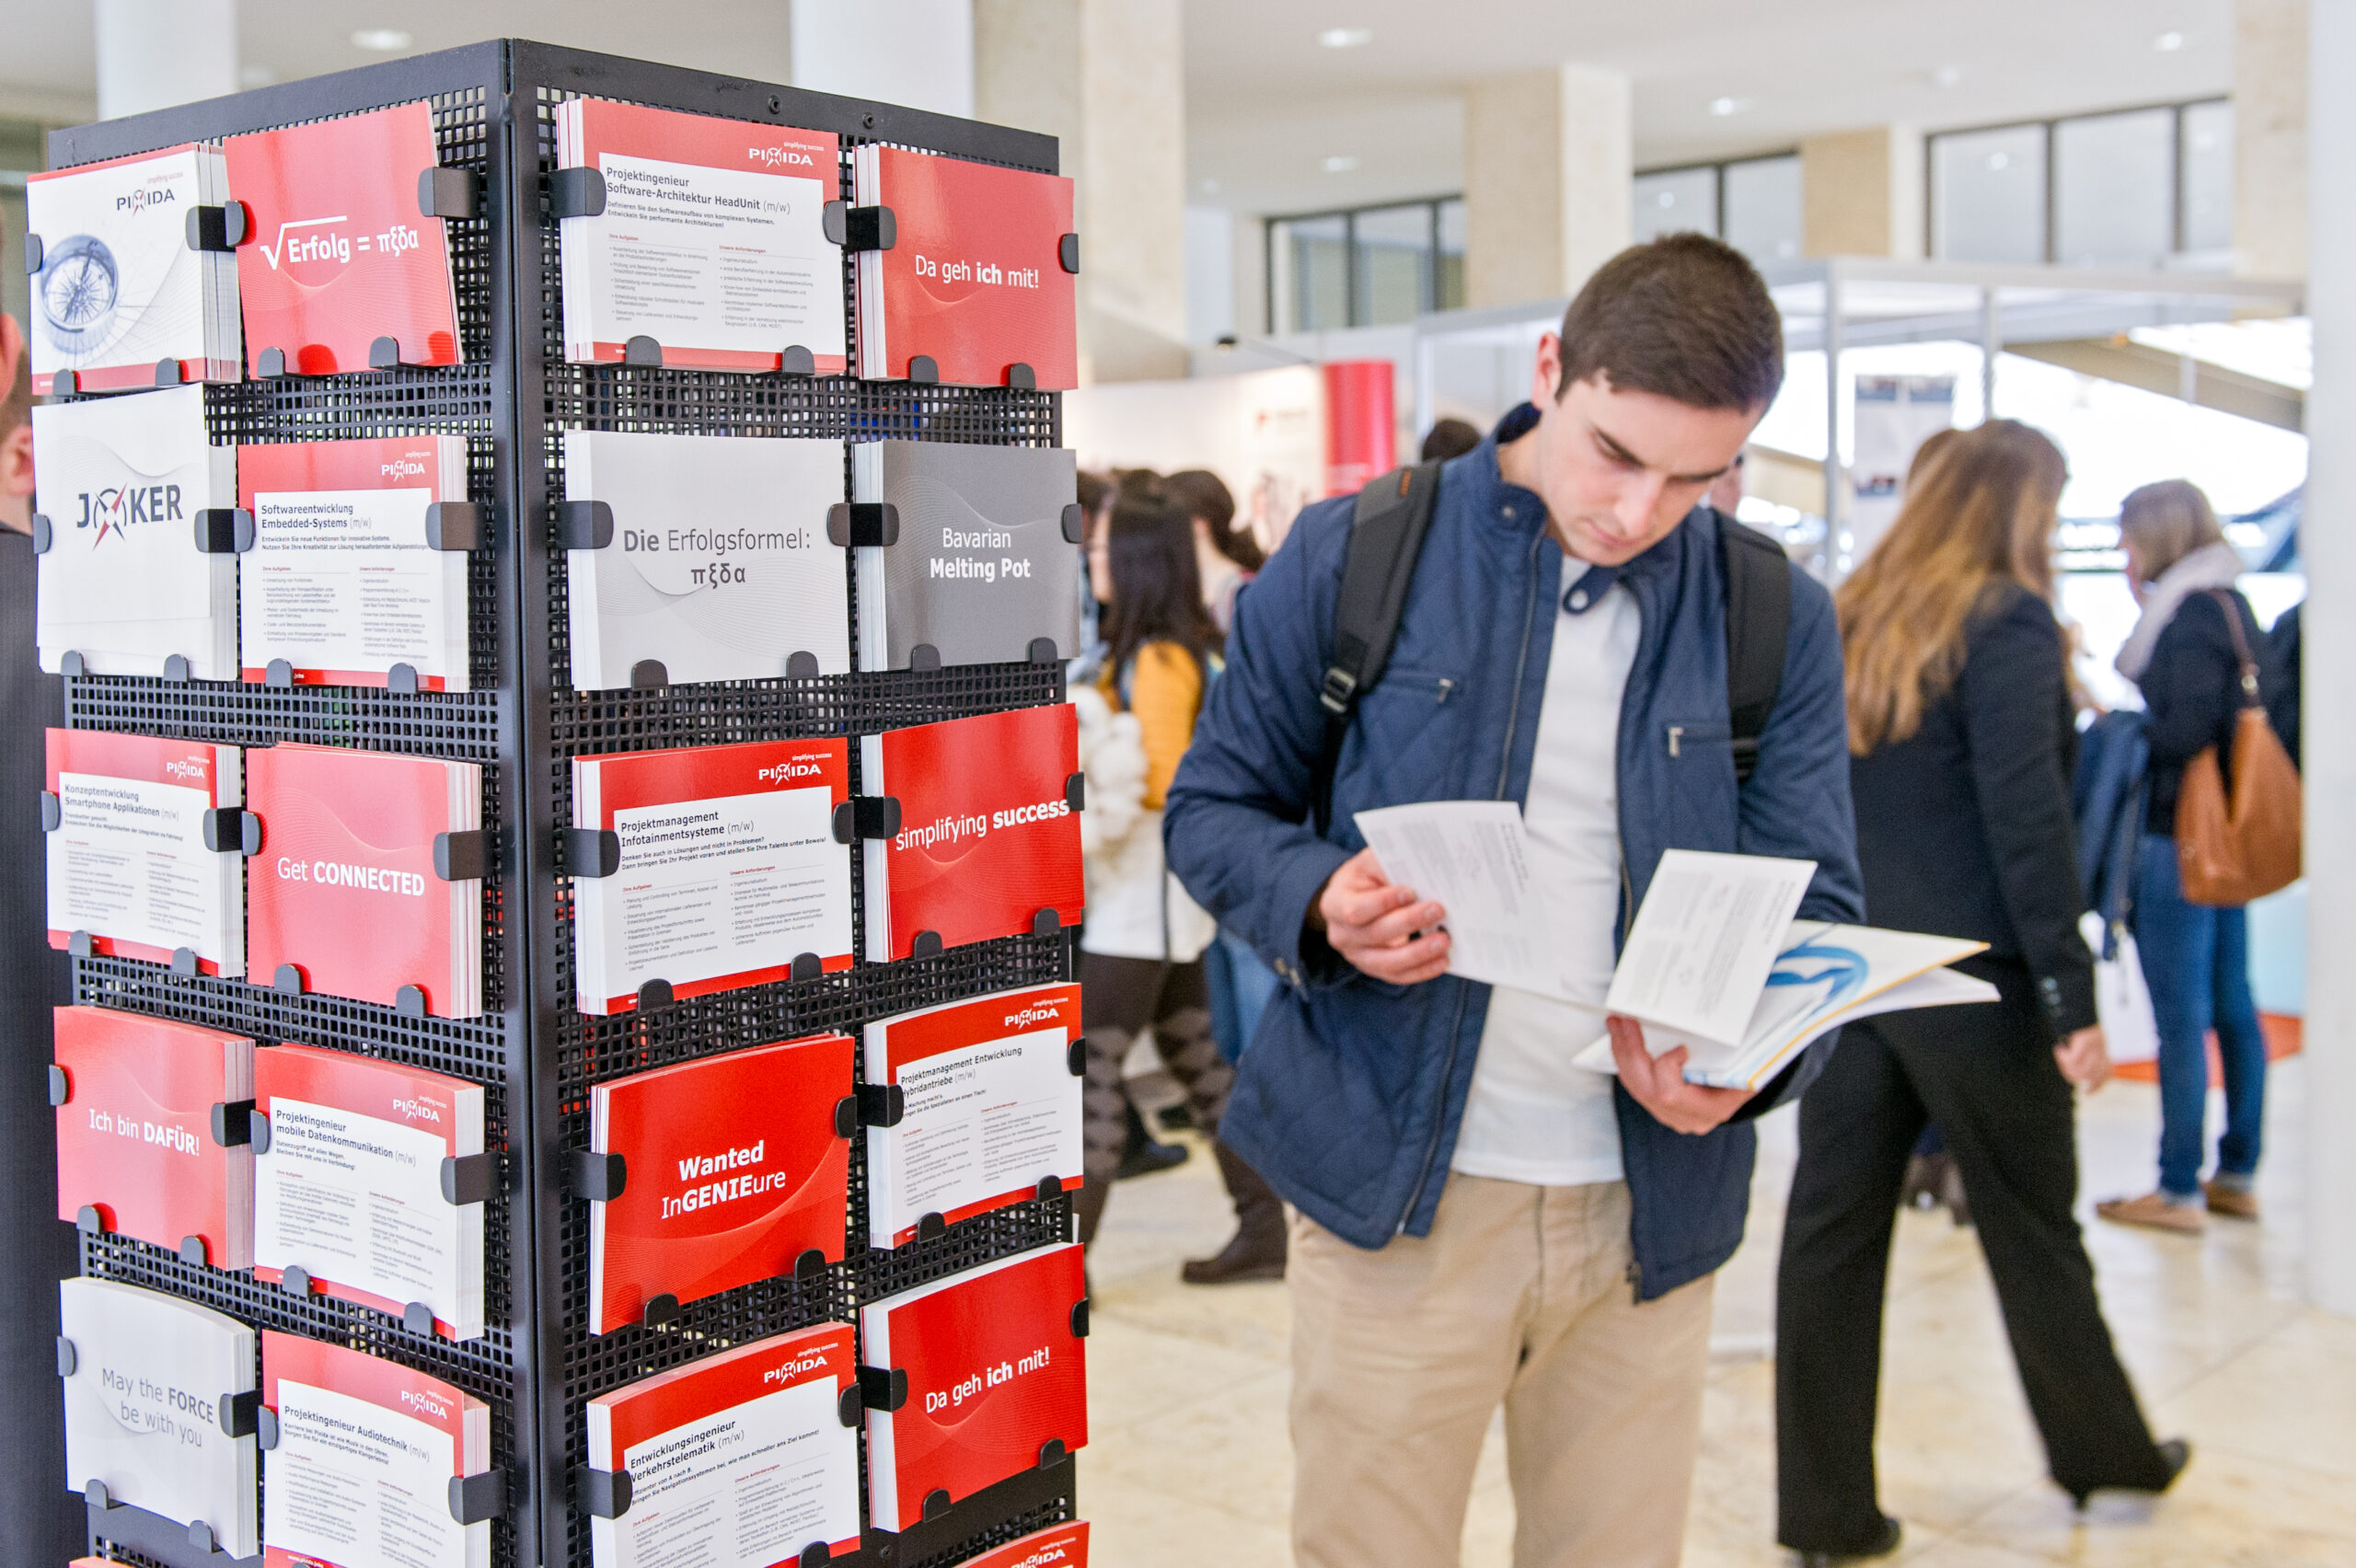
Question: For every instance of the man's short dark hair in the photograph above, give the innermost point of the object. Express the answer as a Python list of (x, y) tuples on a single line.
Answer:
[(1449, 438), (1683, 317)]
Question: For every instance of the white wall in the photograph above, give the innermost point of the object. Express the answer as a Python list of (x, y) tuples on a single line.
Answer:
[(1210, 274), (918, 53), (155, 54)]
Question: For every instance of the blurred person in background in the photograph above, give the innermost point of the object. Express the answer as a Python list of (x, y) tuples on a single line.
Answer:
[(1449, 438), (1725, 496), (1095, 506), (1141, 949), (1961, 735), (1226, 557), (46, 1519), (2182, 657)]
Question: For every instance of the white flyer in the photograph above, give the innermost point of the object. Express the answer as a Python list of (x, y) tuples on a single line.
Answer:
[(990, 1119), (128, 860), (338, 581), (1473, 858), (358, 1485), (1703, 940), (744, 1487)]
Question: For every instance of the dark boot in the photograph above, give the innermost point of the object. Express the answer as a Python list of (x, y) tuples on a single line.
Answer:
[(1144, 1154), (1088, 1207), (1258, 1249)]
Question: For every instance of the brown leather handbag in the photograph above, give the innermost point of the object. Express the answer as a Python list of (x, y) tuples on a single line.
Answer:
[(2232, 848)]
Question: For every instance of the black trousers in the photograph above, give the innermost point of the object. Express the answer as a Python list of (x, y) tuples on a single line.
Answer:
[(1987, 1076), (1119, 997)]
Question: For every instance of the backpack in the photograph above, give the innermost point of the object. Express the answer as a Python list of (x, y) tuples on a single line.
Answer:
[(1394, 514)]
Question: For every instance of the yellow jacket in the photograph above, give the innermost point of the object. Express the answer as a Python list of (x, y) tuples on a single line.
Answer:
[(1166, 694)]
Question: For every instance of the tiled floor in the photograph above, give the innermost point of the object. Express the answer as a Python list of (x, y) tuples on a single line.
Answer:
[(1189, 1461)]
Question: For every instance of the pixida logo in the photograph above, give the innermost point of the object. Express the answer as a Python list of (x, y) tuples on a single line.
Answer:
[(798, 768), (185, 769), (402, 468), (1036, 1013), (801, 1366), (777, 156), (112, 510), (418, 1110), (145, 197), (433, 1405)]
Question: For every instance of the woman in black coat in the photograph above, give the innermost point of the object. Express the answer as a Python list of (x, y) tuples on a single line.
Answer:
[(1961, 740)]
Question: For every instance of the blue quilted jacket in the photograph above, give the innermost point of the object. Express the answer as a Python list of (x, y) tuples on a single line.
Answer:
[(1350, 1097)]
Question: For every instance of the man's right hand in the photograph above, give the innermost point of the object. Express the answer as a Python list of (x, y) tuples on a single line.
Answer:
[(1380, 927)]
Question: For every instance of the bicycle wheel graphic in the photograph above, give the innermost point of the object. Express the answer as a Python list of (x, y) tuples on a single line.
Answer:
[(76, 292)]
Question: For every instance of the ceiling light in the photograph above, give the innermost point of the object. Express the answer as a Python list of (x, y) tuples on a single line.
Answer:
[(1947, 76), (2000, 161), (2168, 43), (1346, 37), (1669, 199), (1722, 107), (1341, 163), (381, 41)]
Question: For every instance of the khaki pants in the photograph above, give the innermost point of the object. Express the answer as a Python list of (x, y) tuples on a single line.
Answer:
[(1519, 1294)]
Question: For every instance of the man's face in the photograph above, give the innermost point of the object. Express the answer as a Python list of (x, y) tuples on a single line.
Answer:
[(1618, 470)]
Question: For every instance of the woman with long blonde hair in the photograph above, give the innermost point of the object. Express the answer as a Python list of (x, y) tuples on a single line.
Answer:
[(1961, 738)]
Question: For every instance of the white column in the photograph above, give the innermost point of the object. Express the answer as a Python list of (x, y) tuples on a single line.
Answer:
[(155, 54), (914, 52), (1861, 193), (2328, 542), (1548, 158), (2270, 136)]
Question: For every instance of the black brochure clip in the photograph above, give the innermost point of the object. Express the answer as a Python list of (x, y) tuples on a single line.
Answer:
[(216, 229), (418, 1319), (883, 1388), (239, 1412), (258, 1130), (88, 1221), (846, 1109), (817, 1554), (176, 669), (277, 673), (385, 353), (660, 1310), (44, 535), (72, 666), (272, 363), (936, 1503), (931, 1225), (584, 525), (184, 963), (60, 1089), (1021, 377), (69, 1360), (644, 351), (810, 1264), (454, 526), (867, 816), (232, 830), (34, 253), (462, 857), (924, 370), (448, 192), (801, 665), (881, 1104), (600, 1178), (296, 1278), (289, 980), (924, 656), (399, 681), (865, 523), (796, 360), (1047, 922), (1042, 650), (806, 966), (1068, 252), (1050, 1188), (1080, 1318), (593, 851), (192, 1250), (1052, 1453), (655, 993), (924, 944), (224, 530), (649, 674), (601, 1495), (410, 1001), (1076, 791), (80, 944), (265, 1430), (468, 1178), (168, 373), (1076, 1055), (474, 1498), (576, 193), (95, 1494), (852, 1406), (53, 812), (1075, 522), (858, 228), (231, 1125)]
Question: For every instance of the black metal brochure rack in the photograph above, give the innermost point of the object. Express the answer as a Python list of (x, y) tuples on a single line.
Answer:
[(494, 109)]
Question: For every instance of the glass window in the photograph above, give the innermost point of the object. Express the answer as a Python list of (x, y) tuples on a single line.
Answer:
[(1449, 288), (1395, 264), (2208, 162), (1675, 200), (1309, 268), (2112, 201), (1988, 195), (1762, 215)]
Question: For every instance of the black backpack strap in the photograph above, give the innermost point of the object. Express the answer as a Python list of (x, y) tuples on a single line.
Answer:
[(1759, 617), (1387, 531)]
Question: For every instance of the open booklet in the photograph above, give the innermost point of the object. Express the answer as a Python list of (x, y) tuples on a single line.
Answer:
[(1713, 961)]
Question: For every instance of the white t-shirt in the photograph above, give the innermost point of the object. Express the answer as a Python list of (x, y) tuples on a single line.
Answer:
[(1532, 1116)]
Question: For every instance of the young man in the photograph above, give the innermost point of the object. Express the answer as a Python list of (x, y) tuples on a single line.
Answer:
[(1479, 1220)]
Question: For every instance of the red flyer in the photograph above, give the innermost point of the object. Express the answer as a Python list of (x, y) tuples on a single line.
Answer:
[(727, 868), (366, 1451), (346, 890), (735, 1168), (337, 253), (975, 278), (996, 1372), (132, 864), (1058, 1546), (136, 1130), (988, 836), (738, 1461)]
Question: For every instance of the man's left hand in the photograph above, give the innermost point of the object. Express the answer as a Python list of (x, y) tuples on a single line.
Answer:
[(1659, 1084)]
